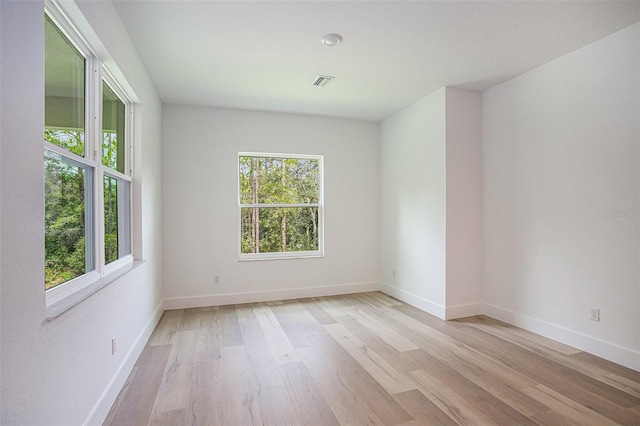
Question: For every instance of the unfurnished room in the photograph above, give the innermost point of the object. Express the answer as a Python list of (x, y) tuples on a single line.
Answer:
[(319, 212)]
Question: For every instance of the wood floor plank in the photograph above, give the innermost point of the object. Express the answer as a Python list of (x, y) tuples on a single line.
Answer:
[(190, 319), (175, 390), (545, 347), (427, 319), (519, 336), (422, 409), (363, 359), (277, 340), (392, 380), (316, 311), (608, 366), (276, 407), (401, 361), (500, 380), (462, 399), (463, 362), (377, 299), (539, 368), (169, 324), (553, 418), (459, 355), (456, 407), (169, 418), (602, 398), (257, 348), (297, 323), (238, 388), (384, 333), (308, 401), (221, 327), (411, 423), (135, 403), (626, 385), (348, 407), (206, 386), (568, 408), (120, 400), (353, 395), (334, 306)]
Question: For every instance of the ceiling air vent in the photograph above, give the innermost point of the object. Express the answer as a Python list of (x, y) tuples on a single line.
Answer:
[(322, 80)]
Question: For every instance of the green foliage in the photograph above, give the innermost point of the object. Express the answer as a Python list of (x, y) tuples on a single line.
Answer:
[(279, 181), (110, 219), (71, 140), (65, 251), (110, 150), (64, 221), (110, 247)]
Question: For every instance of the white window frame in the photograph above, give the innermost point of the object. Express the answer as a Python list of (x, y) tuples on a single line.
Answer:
[(319, 205), (103, 170), (64, 296)]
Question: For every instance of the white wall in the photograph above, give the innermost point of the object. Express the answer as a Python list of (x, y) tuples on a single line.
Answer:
[(431, 204), (413, 203), (200, 234), (561, 154), (464, 203), (62, 371)]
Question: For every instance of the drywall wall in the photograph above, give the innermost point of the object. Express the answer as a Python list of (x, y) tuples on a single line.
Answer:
[(413, 203), (430, 204), (200, 205), (561, 198), (62, 371), (464, 202)]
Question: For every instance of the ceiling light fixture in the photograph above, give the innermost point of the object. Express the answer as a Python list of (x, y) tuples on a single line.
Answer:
[(331, 39)]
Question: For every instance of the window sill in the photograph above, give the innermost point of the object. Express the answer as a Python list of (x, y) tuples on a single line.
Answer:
[(280, 256), (59, 307)]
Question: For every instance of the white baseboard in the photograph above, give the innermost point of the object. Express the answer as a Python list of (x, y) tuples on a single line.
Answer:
[(265, 296), (463, 311), (108, 397), (609, 351), (415, 301)]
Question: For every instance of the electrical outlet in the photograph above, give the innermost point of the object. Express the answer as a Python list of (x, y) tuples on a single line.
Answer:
[(595, 314), (113, 345), (394, 273), (216, 279)]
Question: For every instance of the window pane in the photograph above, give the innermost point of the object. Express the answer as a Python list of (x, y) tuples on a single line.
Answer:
[(64, 91), (68, 242), (278, 180), (113, 117), (117, 218), (273, 230)]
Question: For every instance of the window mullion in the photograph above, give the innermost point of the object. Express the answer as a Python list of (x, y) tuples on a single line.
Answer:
[(94, 106), (94, 145)]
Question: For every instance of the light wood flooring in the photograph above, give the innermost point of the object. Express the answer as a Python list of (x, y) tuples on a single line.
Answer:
[(364, 359)]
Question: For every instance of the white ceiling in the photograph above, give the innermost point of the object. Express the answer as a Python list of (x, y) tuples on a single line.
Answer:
[(263, 55)]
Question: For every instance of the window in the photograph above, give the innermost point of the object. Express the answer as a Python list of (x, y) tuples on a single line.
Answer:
[(116, 184), (281, 206), (86, 166)]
